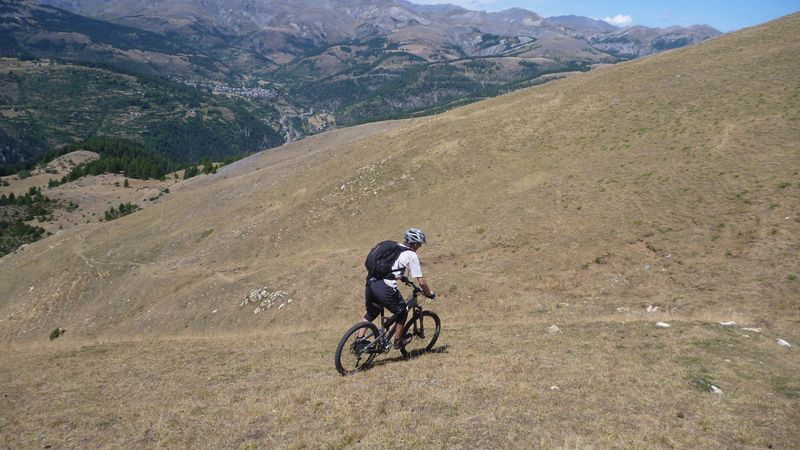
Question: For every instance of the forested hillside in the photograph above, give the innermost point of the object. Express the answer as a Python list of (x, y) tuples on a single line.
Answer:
[(119, 156), (46, 104)]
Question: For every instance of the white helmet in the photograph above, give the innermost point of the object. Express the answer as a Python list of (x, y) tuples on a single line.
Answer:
[(415, 236)]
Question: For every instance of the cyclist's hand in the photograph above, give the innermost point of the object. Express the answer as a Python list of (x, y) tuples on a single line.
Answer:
[(432, 296)]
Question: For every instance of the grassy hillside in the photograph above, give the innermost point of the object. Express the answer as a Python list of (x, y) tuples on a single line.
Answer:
[(669, 182)]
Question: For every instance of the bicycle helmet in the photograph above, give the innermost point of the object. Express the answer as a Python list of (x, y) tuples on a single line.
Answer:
[(415, 236)]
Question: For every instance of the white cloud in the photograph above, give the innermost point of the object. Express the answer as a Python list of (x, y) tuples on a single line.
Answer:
[(619, 20)]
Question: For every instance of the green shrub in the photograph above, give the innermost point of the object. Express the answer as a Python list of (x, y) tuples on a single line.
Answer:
[(703, 382), (15, 233), (56, 333), (123, 210), (190, 172)]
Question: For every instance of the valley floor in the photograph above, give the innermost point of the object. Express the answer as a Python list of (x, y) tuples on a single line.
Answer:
[(595, 384)]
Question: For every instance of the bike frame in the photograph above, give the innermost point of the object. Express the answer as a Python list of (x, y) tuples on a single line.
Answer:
[(389, 326)]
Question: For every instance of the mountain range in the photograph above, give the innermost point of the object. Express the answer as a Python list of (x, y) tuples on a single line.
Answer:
[(278, 29), (319, 64)]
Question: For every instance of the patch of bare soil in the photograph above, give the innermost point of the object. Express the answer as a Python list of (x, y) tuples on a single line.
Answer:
[(96, 194)]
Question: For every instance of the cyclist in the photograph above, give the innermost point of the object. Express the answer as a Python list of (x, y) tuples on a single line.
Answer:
[(380, 293)]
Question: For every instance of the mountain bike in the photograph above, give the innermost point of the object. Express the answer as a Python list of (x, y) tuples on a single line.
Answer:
[(354, 354)]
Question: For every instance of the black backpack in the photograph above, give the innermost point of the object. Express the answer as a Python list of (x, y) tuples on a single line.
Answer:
[(381, 258)]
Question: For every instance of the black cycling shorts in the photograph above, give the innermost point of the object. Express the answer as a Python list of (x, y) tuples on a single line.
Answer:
[(378, 295)]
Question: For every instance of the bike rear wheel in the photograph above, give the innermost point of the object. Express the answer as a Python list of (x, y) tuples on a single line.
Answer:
[(424, 331), (352, 356)]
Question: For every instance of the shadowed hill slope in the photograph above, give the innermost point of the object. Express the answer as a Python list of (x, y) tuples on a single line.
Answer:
[(672, 180)]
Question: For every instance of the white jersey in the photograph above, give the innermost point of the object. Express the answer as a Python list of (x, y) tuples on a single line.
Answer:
[(407, 261)]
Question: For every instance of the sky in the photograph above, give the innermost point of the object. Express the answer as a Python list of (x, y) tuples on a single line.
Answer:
[(725, 16)]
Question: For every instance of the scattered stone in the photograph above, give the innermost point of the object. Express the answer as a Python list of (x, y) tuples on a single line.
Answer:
[(554, 388), (554, 329), (652, 308), (663, 325), (727, 324), (783, 343), (214, 311), (623, 309), (715, 389), (754, 330), (263, 298)]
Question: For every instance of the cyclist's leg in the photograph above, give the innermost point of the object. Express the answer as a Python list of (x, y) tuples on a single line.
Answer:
[(373, 309), (391, 299)]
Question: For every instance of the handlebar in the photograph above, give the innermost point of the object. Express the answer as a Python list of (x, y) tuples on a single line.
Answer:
[(411, 284), (417, 289)]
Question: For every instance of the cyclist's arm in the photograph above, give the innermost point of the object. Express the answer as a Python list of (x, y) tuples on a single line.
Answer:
[(424, 286), (416, 272)]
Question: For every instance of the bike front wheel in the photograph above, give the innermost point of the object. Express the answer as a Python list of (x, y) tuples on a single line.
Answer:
[(354, 354), (424, 330)]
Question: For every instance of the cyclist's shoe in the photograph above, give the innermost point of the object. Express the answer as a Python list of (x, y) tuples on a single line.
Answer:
[(402, 342), (360, 344)]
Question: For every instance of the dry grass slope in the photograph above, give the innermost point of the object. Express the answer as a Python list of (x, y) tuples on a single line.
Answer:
[(670, 181)]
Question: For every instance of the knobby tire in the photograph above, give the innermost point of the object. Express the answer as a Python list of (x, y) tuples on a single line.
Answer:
[(425, 331), (349, 359)]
